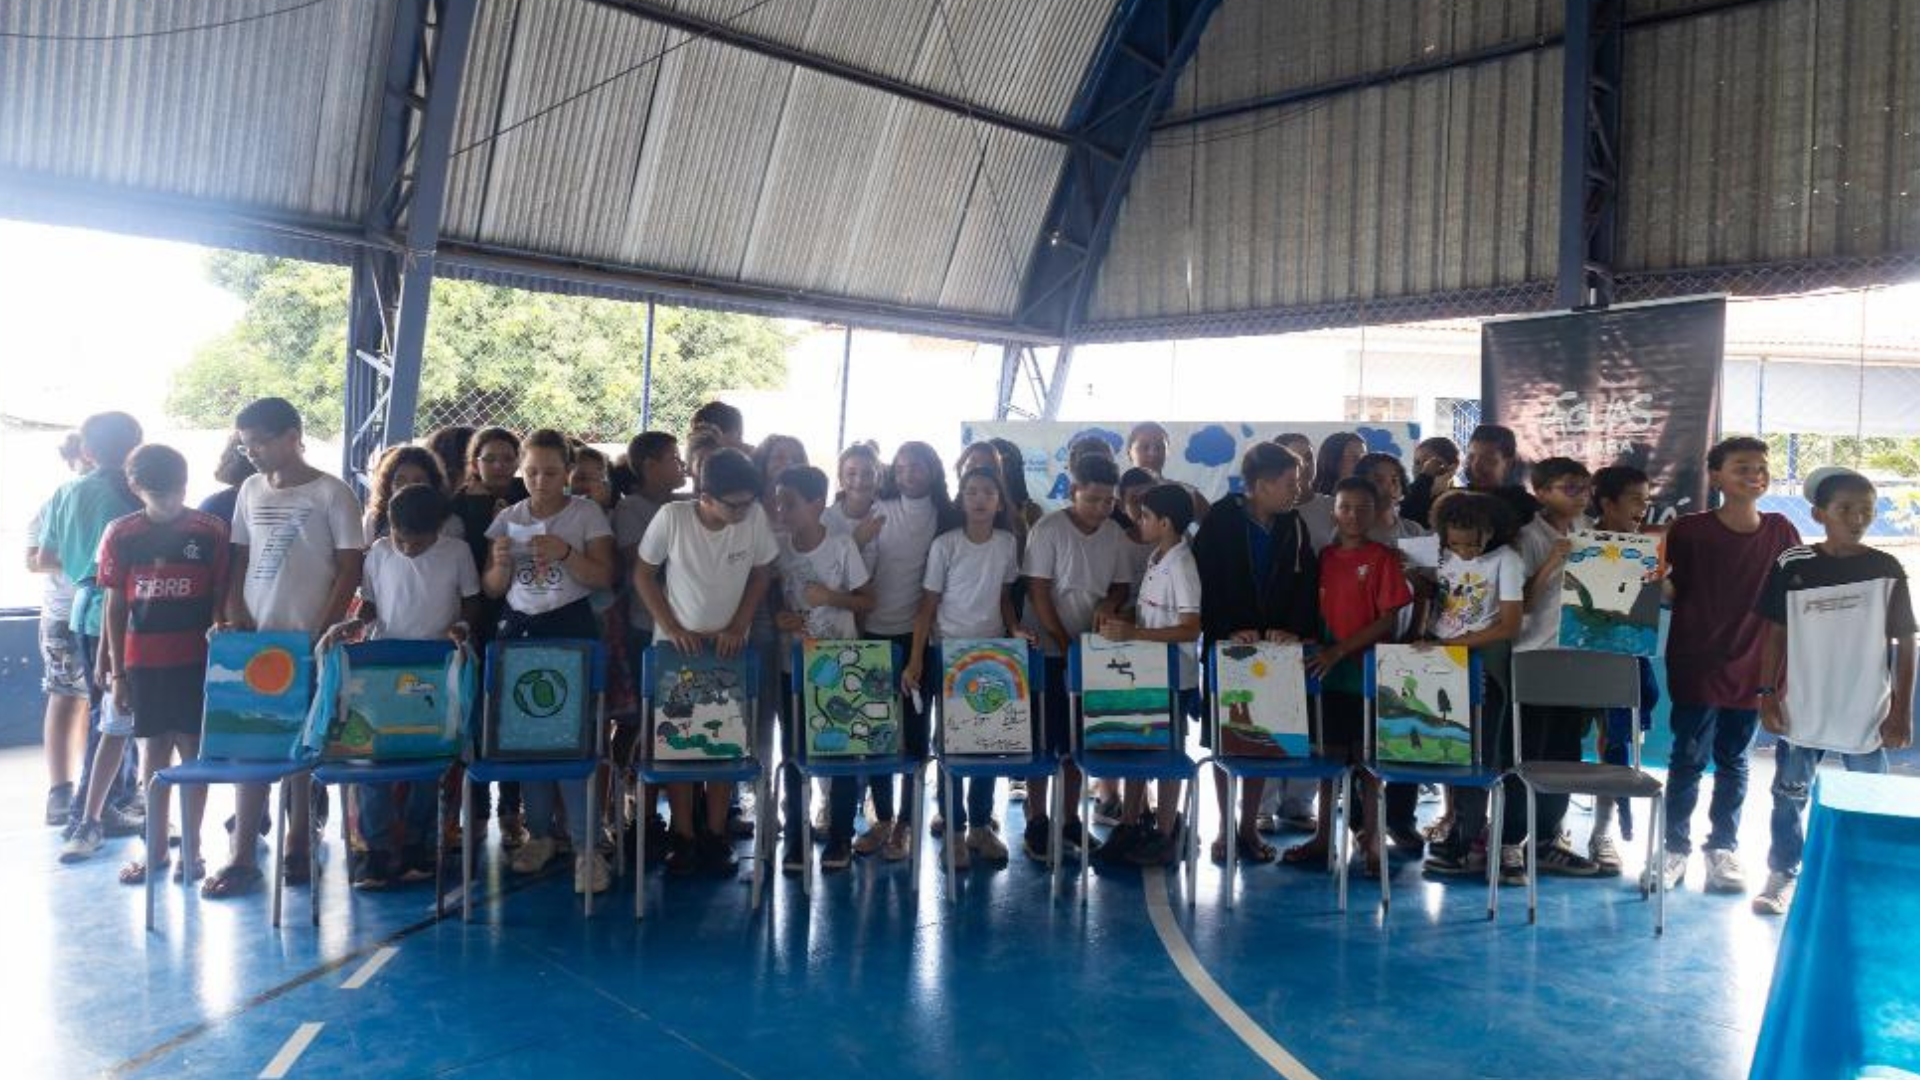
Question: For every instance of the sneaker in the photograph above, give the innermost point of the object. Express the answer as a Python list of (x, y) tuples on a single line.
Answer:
[(899, 841), (1037, 841), (1106, 812), (1604, 855), (1016, 791), (85, 840), (533, 856), (795, 862), (117, 821), (59, 804), (837, 857), (1266, 823), (1119, 844), (1407, 840), (1777, 896), (1723, 872), (417, 864), (739, 825), (822, 823), (1437, 832), (874, 838), (1558, 859), (1156, 849), (716, 857), (683, 854), (590, 873), (1075, 835), (1513, 863), (1455, 860), (374, 872), (984, 843), (513, 832), (938, 828), (1675, 873), (962, 858)]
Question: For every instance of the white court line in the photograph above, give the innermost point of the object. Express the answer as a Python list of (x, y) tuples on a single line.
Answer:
[(290, 1052), (371, 968), (1190, 968)]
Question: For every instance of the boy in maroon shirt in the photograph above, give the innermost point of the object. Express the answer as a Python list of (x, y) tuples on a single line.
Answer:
[(164, 571), (1719, 562)]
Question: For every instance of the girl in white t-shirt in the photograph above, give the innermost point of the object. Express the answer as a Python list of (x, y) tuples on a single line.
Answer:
[(914, 507), (1168, 609), (967, 592), (852, 511), (550, 551)]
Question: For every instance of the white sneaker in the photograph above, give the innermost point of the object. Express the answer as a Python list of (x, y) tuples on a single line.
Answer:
[(1724, 873), (1601, 850), (1777, 896), (1513, 864), (962, 859), (984, 843), (590, 872), (822, 823), (1016, 791), (533, 856), (1676, 872)]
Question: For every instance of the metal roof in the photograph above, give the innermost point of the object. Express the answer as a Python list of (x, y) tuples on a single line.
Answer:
[(894, 162)]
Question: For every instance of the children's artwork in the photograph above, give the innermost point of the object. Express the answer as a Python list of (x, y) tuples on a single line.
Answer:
[(540, 702), (1260, 700), (1610, 594), (986, 700), (849, 698), (259, 687), (393, 701), (1126, 701), (1423, 709), (699, 706)]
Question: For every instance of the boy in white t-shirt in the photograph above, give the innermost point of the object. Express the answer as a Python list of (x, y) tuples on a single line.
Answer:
[(823, 585), (1478, 606), (719, 554), (419, 584), (1077, 571)]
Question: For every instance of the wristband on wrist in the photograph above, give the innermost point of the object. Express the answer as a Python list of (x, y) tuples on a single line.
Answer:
[(1763, 691)]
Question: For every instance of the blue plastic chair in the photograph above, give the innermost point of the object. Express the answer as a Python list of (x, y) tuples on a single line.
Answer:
[(802, 767), (748, 769), (1479, 774), (376, 770), (954, 767), (290, 762), (1169, 762), (488, 766), (1315, 767)]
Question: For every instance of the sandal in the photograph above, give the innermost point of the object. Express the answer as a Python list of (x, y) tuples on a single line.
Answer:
[(1311, 853), (135, 872), (1252, 849), (232, 880)]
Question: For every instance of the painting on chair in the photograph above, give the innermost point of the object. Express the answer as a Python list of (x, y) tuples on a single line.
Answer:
[(986, 699), (541, 702), (849, 698), (1610, 594), (1423, 705), (1126, 699), (395, 707), (699, 706), (1260, 703), (259, 686)]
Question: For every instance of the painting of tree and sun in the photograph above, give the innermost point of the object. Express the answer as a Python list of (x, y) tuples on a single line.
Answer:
[(1260, 699), (1423, 708), (259, 685)]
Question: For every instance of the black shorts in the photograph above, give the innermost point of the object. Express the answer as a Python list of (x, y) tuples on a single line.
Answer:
[(1057, 703), (1343, 718), (166, 701)]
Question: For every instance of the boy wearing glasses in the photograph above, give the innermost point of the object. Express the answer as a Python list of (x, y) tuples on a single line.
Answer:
[(718, 551)]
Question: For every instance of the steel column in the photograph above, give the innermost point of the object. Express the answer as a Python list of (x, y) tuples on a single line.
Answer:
[(1010, 359), (1057, 385), (1589, 151), (646, 376), (846, 372)]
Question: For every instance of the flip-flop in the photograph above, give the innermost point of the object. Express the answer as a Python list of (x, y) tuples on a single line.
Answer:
[(135, 872), (232, 880), (1252, 849), (1310, 853)]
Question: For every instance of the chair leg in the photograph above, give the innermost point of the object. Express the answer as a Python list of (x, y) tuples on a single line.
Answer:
[(640, 854), (590, 849), (156, 798), (914, 816), (466, 847), (763, 813), (1056, 830), (315, 791), (1533, 855), (439, 862), (278, 855), (1189, 844), (1659, 826), (1344, 839), (795, 776), (952, 856), (1086, 834), (1495, 826), (1230, 829), (619, 815)]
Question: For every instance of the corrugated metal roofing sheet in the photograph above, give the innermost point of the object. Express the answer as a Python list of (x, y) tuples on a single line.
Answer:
[(278, 112), (702, 159)]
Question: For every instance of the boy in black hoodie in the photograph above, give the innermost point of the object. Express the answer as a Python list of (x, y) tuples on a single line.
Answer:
[(1258, 582)]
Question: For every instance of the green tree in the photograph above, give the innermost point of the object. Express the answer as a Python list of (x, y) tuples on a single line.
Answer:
[(493, 355)]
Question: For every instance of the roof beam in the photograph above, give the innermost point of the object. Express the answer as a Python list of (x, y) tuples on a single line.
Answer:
[(727, 34), (1126, 88)]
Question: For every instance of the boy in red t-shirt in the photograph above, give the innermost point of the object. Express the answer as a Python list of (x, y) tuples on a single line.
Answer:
[(1362, 589), (164, 571)]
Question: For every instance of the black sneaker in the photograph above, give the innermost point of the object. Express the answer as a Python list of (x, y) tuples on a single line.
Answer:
[(374, 873), (1156, 849), (1037, 840), (795, 862), (1075, 835), (1407, 840), (1448, 859), (683, 854), (1107, 812), (416, 863), (1558, 860), (838, 856), (716, 857), (60, 804), (118, 822), (1120, 844)]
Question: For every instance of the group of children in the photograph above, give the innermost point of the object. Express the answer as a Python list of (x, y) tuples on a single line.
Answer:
[(482, 536)]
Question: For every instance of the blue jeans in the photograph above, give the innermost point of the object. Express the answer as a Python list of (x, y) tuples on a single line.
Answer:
[(975, 804), (376, 814), (1793, 769), (1728, 735)]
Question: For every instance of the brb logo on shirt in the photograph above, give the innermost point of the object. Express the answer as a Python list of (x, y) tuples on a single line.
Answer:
[(162, 588)]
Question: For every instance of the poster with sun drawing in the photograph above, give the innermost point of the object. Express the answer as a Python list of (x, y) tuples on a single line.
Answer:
[(986, 699), (699, 706), (540, 704), (1423, 711), (259, 685), (397, 701), (850, 698), (1610, 594), (1125, 698), (1260, 700)]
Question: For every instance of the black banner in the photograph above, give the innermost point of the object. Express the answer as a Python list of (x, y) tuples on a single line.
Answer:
[(1633, 385)]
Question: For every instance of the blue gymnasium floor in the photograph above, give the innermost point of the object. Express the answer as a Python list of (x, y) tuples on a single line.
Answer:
[(867, 981)]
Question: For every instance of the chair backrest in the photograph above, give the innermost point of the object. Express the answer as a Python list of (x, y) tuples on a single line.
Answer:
[(1125, 693), (259, 691), (990, 697), (1260, 695), (1576, 679), (699, 707), (392, 700), (1423, 707), (847, 699), (544, 698)]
